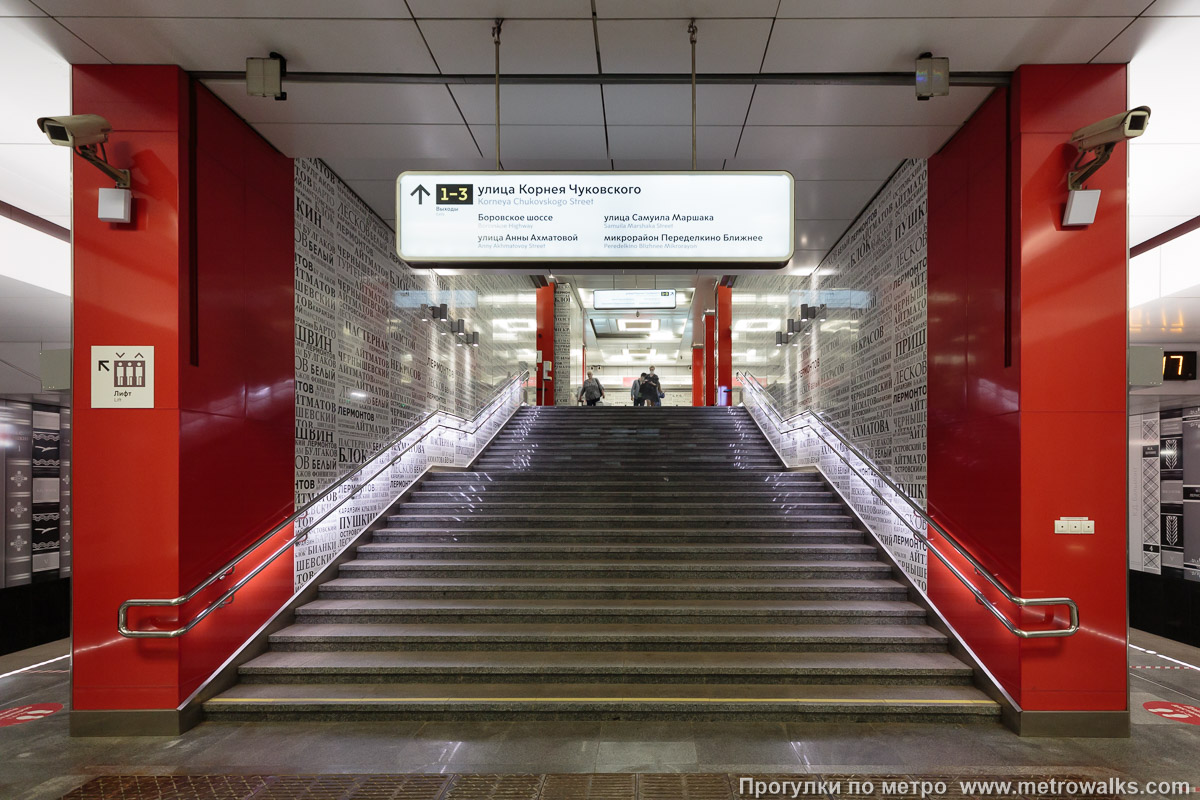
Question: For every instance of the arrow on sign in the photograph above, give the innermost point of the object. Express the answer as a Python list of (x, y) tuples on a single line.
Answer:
[(104, 366), (421, 196)]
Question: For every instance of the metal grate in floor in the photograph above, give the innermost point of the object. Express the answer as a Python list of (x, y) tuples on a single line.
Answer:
[(699, 786)]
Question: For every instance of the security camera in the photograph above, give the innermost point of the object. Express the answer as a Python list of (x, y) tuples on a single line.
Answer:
[(86, 134), (1117, 128), (1099, 139), (79, 130)]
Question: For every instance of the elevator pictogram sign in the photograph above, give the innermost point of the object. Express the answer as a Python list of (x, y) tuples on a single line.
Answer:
[(123, 377)]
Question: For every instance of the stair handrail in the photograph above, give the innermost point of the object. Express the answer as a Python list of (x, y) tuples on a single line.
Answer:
[(298, 537), (760, 391)]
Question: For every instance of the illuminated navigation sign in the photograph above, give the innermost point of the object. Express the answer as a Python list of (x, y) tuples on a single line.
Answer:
[(480, 217), (618, 299)]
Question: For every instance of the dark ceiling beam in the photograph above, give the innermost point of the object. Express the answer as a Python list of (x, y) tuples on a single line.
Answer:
[(34, 221), (656, 78)]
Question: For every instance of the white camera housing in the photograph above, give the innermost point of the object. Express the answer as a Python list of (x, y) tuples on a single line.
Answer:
[(78, 130), (1117, 128)]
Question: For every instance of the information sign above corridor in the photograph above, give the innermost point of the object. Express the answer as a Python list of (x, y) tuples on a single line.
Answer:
[(481, 217)]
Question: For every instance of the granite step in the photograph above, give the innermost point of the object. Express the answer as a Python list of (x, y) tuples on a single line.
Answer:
[(553, 505), (562, 551), (502, 494), (479, 702), (582, 610), (606, 478), (488, 518), (595, 535), (400, 568), (609, 637), (613, 589), (515, 666)]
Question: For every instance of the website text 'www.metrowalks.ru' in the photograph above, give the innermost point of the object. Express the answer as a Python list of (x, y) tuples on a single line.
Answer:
[(881, 786)]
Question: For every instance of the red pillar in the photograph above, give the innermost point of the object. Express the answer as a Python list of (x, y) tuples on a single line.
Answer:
[(164, 495), (725, 338), (710, 359), (545, 345), (1027, 385), (697, 375)]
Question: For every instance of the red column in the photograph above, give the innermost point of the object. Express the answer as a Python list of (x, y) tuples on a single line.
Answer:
[(710, 359), (725, 338), (163, 495), (1027, 384), (545, 344), (697, 375)]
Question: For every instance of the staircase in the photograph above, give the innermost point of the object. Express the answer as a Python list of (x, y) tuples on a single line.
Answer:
[(613, 563)]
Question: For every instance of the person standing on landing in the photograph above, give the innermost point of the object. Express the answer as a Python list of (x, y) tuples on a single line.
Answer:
[(656, 398), (591, 391)]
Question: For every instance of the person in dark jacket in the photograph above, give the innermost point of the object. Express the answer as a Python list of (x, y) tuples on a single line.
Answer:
[(635, 390), (658, 392), (649, 391)]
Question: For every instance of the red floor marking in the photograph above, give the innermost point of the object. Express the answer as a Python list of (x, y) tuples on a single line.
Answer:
[(1176, 711), (19, 714)]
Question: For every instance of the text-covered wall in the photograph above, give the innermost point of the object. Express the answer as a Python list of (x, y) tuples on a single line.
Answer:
[(863, 367), (35, 464), (367, 366), (1164, 496)]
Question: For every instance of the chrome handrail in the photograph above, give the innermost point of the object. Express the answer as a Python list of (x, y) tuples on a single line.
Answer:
[(230, 566), (980, 569)]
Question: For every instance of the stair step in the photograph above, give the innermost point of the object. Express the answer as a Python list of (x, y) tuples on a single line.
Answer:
[(513, 666), (583, 610), (566, 551), (614, 589), (489, 518), (688, 480), (632, 701), (505, 494), (844, 535), (623, 636), (554, 505), (392, 567)]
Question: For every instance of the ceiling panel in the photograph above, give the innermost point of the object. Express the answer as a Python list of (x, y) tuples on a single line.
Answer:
[(803, 261), (505, 9), (672, 104), (531, 105), (1167, 8), (555, 165), (557, 142), (856, 45), (961, 8), (821, 234), (344, 102), (526, 46), (19, 8), (812, 142), (731, 45), (671, 141), (380, 195), (1148, 163), (296, 9), (701, 9), (37, 178), (389, 168), (334, 45), (24, 35), (668, 164), (832, 200), (370, 141), (861, 105), (820, 169)]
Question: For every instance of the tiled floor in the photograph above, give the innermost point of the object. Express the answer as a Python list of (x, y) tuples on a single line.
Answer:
[(39, 760)]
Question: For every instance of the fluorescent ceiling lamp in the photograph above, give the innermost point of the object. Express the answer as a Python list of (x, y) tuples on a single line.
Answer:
[(34, 257), (637, 325)]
